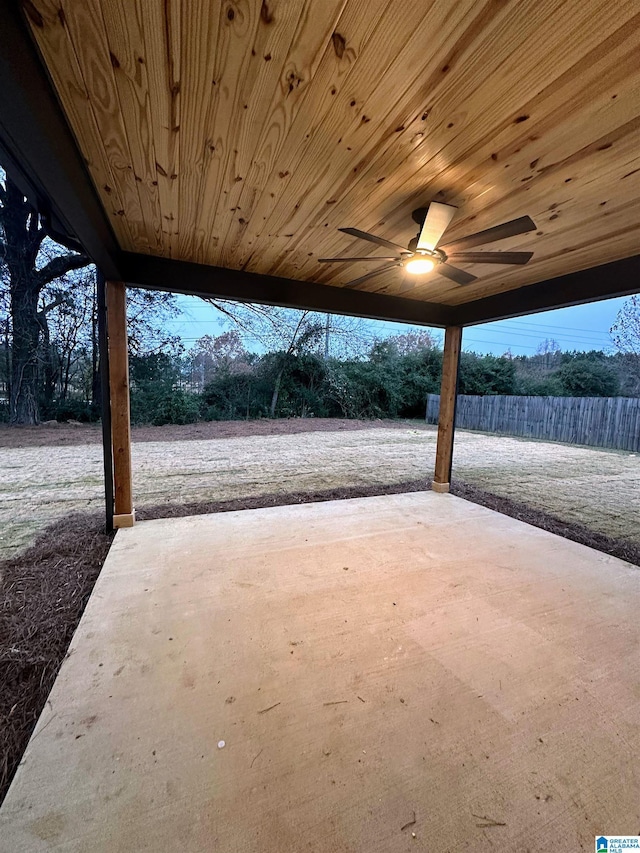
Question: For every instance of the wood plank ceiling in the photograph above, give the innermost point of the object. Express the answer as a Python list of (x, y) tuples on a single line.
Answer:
[(243, 133)]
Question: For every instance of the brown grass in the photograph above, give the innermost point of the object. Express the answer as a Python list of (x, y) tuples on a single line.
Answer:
[(598, 489), (65, 434)]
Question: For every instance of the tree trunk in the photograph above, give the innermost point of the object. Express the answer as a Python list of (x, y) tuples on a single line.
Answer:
[(50, 369), (23, 404), (7, 360), (276, 392), (20, 241)]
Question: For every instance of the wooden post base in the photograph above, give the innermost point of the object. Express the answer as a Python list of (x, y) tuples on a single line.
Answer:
[(442, 488), (127, 519)]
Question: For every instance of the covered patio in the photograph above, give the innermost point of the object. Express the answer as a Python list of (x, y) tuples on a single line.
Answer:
[(222, 149), (379, 681), (388, 673)]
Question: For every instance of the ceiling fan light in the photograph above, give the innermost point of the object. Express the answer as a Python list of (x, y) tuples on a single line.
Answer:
[(419, 266)]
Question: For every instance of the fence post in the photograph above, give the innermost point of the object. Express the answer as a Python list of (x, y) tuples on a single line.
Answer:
[(446, 420)]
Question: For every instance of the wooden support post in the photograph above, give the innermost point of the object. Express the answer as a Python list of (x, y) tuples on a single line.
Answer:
[(124, 515), (447, 417)]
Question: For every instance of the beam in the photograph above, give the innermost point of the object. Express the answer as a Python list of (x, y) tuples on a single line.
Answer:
[(39, 151), (447, 416), (618, 278), (124, 515), (219, 283)]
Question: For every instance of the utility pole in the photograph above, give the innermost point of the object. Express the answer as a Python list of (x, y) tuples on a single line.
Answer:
[(326, 336)]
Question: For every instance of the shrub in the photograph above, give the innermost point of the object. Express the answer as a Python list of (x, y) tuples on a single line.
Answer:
[(176, 407), (586, 377)]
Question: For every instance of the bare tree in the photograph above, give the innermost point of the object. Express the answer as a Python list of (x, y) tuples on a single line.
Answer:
[(210, 355), (414, 340), (625, 334), (272, 328)]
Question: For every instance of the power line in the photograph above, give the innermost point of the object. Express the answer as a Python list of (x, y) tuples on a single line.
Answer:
[(504, 344), (547, 326), (567, 331), (572, 338), (532, 326), (568, 334)]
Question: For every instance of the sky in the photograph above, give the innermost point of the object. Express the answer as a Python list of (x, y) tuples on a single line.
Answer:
[(584, 327)]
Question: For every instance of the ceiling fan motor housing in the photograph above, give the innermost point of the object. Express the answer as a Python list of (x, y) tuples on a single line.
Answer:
[(419, 215), (436, 255)]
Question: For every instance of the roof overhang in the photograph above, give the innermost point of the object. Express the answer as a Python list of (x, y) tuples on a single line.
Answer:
[(40, 152)]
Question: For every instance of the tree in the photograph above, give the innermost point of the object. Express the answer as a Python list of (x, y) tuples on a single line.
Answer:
[(212, 355), (148, 311), (282, 331), (156, 393), (29, 262), (302, 338), (271, 329), (415, 340), (625, 334), (582, 376), (487, 374), (68, 332)]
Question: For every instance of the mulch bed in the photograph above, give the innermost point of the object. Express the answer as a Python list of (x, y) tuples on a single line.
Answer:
[(43, 591), (60, 435)]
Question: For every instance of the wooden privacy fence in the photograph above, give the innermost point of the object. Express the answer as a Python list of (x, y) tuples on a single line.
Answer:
[(597, 421)]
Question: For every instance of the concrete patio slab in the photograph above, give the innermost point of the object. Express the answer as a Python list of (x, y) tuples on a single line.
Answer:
[(411, 672)]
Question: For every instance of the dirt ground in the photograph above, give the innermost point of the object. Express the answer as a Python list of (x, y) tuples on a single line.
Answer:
[(58, 470), (55, 435)]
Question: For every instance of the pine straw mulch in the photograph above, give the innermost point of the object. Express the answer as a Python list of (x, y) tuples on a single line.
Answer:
[(43, 591)]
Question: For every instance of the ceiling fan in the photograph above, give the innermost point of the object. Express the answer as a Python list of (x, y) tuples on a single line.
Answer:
[(424, 253)]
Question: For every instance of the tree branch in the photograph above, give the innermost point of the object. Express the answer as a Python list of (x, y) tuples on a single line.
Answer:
[(60, 265), (59, 300)]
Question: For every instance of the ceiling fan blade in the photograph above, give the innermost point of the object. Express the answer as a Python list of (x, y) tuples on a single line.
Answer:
[(491, 257), (348, 260), (498, 232), (379, 241), (459, 276), (362, 278), (435, 224)]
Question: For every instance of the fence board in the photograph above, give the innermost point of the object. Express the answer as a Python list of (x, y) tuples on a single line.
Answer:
[(612, 422)]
